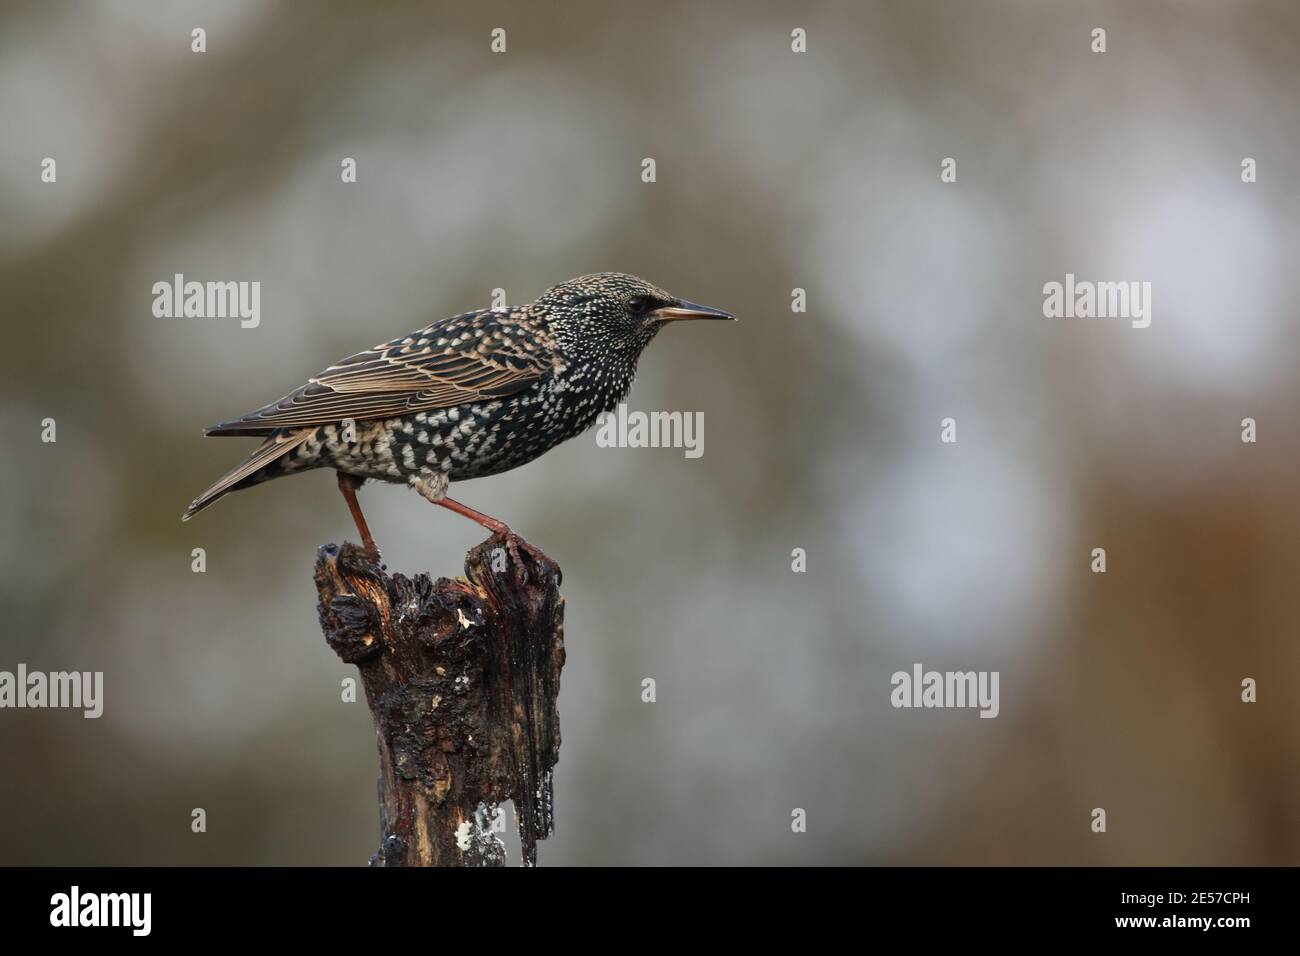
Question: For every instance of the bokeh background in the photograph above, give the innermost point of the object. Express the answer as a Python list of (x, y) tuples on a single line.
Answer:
[(776, 170)]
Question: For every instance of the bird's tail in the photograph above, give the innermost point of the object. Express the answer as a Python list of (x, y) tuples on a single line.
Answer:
[(267, 453)]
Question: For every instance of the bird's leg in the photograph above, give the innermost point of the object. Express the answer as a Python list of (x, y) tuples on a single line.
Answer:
[(492, 524), (348, 485), (434, 488)]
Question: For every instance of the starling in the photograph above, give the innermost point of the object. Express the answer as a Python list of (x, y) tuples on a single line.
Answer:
[(466, 397)]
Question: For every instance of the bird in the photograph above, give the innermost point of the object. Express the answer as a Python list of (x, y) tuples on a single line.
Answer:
[(469, 396)]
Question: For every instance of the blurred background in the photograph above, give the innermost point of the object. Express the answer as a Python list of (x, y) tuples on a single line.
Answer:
[(775, 170)]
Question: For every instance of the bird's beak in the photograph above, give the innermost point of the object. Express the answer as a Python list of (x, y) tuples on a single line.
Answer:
[(682, 311)]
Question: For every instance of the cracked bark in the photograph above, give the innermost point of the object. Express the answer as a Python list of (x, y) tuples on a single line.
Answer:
[(461, 677)]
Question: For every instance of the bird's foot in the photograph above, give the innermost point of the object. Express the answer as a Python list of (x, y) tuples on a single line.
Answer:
[(507, 556)]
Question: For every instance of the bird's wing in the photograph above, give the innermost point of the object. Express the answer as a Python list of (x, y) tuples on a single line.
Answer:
[(466, 358)]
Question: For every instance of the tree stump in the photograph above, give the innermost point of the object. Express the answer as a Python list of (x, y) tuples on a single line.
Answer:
[(461, 676)]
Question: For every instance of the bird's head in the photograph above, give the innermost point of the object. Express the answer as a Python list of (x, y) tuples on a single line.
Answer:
[(617, 309)]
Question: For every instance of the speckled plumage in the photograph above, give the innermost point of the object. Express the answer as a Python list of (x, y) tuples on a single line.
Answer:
[(465, 397)]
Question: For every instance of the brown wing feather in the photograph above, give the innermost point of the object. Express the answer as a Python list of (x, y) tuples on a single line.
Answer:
[(466, 358)]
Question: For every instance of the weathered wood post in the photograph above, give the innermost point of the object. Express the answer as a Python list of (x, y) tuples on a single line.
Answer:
[(461, 676)]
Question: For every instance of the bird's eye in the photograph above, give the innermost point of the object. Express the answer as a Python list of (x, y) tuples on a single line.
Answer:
[(639, 305)]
